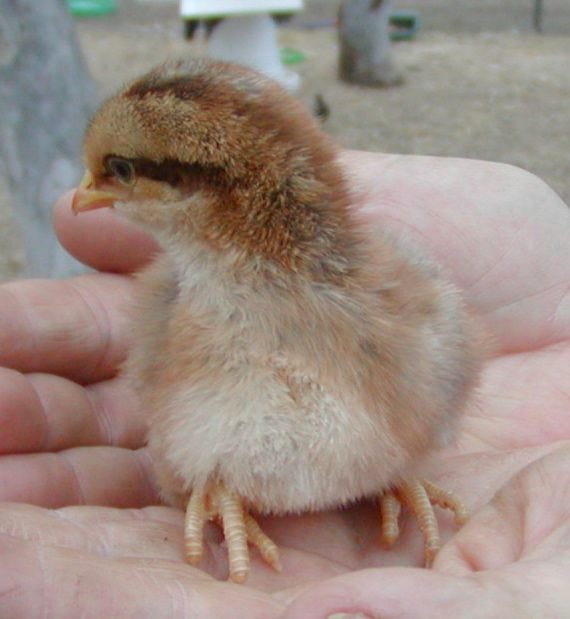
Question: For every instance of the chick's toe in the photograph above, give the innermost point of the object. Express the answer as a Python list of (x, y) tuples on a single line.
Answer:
[(221, 504), (419, 496)]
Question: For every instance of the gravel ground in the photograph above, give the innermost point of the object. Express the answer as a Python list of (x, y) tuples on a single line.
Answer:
[(478, 82)]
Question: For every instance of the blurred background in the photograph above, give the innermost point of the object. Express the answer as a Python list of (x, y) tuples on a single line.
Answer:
[(478, 82)]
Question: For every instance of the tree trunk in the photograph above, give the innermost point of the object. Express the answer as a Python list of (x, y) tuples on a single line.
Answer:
[(46, 97), (365, 49)]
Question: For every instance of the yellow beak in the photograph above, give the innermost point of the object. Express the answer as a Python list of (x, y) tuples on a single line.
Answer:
[(86, 198)]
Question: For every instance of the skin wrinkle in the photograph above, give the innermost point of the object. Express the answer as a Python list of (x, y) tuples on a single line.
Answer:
[(178, 594), (101, 320), (563, 395), (453, 230), (44, 572), (158, 513), (97, 545), (347, 566), (537, 293), (504, 585), (465, 562), (527, 297), (518, 514), (75, 477), (529, 524), (476, 433), (153, 573), (530, 347), (143, 462), (16, 527), (506, 250), (101, 413), (557, 345), (22, 311), (486, 422), (46, 438), (557, 310), (78, 592)]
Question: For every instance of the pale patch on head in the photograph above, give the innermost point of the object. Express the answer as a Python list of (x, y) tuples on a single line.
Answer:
[(250, 85)]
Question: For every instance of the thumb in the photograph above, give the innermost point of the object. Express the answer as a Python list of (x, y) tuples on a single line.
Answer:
[(102, 240)]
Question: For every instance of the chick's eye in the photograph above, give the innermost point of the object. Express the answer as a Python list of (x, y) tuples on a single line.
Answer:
[(122, 169)]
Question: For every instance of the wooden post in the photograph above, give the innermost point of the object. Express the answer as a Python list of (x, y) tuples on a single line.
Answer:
[(365, 48), (46, 98)]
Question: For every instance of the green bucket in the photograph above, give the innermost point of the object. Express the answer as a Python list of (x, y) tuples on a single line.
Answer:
[(290, 55), (405, 25), (91, 8)]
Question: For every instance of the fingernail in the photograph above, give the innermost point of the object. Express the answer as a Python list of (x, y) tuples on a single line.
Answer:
[(348, 616)]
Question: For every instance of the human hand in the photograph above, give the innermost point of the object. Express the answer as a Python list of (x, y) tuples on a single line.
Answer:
[(501, 235)]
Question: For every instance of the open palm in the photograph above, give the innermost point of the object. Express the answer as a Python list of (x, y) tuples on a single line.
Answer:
[(88, 537)]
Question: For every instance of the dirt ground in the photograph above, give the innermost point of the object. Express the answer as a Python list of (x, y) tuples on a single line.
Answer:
[(479, 83)]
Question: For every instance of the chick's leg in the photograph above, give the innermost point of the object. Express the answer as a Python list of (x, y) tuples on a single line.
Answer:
[(239, 528), (419, 496), (194, 522)]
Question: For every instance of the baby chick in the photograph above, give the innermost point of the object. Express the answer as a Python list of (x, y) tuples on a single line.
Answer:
[(288, 358)]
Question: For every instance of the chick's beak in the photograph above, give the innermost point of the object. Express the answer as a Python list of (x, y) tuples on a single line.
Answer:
[(87, 198)]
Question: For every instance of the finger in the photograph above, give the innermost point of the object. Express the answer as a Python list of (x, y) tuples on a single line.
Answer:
[(80, 476), (43, 412), (58, 582), (150, 532), (154, 532), (101, 239), (75, 328)]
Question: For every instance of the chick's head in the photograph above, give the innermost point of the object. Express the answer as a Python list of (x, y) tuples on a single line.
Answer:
[(213, 150)]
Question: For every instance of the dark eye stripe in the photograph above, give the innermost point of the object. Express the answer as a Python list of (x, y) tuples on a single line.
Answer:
[(169, 171)]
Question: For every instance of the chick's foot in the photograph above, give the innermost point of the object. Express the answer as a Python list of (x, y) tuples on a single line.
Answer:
[(219, 503), (419, 496)]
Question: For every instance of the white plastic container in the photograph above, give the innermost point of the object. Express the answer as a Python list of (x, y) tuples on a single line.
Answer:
[(247, 35)]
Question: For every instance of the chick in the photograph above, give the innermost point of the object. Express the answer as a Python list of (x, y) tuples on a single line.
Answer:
[(288, 358)]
